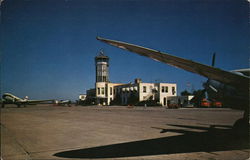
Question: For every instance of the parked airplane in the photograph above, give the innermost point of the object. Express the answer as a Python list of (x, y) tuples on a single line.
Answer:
[(63, 103), (8, 98), (232, 87)]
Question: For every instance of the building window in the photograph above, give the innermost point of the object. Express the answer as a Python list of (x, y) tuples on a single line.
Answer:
[(151, 88), (173, 90), (111, 91), (102, 90), (98, 91), (144, 89), (164, 89)]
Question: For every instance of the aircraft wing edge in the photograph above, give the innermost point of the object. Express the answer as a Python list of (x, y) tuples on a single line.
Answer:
[(189, 65)]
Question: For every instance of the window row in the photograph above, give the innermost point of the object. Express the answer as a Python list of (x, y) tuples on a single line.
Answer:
[(102, 78), (100, 73), (101, 91), (164, 89)]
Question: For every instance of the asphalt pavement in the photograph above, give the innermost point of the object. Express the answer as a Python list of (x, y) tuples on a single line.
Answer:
[(44, 132)]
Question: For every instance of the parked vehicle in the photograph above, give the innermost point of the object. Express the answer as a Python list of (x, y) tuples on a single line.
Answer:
[(217, 104), (205, 103)]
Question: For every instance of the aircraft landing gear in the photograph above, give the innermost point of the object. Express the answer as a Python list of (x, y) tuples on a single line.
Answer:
[(241, 126)]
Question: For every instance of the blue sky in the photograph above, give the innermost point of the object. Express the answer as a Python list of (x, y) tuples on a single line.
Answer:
[(48, 47)]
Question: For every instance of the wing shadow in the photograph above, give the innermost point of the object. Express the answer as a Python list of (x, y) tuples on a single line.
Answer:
[(211, 140)]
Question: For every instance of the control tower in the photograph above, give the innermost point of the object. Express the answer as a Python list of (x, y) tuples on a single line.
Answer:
[(102, 67)]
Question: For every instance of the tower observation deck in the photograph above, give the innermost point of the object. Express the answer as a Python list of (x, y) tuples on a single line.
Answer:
[(102, 67)]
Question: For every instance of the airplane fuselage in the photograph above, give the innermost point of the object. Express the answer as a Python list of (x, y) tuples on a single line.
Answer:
[(230, 96), (8, 98)]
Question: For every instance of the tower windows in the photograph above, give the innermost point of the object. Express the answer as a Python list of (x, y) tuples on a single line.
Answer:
[(102, 67)]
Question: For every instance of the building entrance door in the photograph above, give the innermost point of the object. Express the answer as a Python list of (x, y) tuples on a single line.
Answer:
[(164, 101)]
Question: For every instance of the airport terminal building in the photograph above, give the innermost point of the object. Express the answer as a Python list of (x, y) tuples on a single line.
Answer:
[(107, 93)]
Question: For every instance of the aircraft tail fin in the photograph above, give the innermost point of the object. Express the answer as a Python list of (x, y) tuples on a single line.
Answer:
[(26, 98)]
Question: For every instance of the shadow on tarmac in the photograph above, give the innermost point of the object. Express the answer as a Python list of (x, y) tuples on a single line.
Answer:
[(211, 140)]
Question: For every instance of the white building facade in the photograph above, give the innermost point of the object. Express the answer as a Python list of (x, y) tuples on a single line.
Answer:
[(133, 93), (107, 93), (139, 91)]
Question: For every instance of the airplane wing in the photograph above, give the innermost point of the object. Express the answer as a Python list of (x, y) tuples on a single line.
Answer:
[(37, 101), (246, 71), (239, 81)]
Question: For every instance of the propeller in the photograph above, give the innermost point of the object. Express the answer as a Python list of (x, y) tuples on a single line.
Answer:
[(213, 60), (207, 85)]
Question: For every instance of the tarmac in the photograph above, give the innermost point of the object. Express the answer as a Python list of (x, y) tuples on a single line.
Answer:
[(47, 132)]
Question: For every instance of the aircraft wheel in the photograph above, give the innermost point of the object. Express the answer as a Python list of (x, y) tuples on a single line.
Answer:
[(241, 127)]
